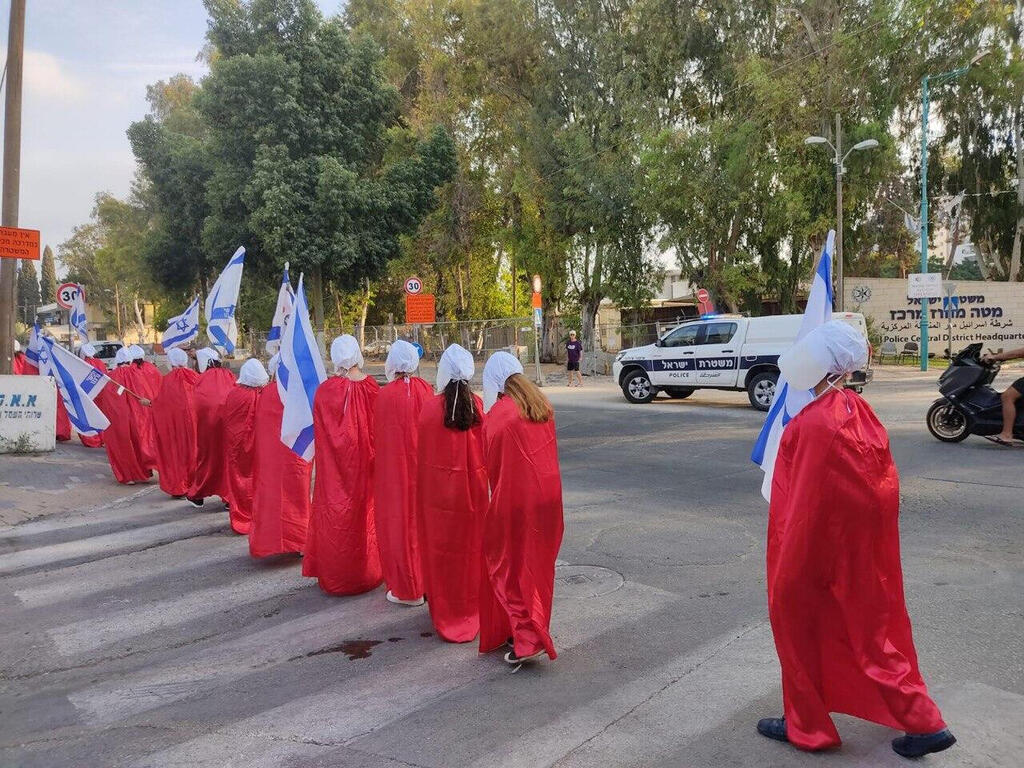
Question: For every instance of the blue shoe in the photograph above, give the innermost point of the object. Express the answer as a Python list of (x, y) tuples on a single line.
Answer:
[(773, 728), (925, 744)]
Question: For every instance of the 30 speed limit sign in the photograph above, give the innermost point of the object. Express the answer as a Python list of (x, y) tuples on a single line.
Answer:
[(413, 285), (67, 293)]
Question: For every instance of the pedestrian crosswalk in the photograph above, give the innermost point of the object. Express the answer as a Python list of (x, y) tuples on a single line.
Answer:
[(158, 624)]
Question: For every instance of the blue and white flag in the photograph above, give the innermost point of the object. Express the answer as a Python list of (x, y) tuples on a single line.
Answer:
[(77, 383), (34, 342), (788, 402), (285, 302), (220, 305), (77, 319), (299, 374), (183, 328)]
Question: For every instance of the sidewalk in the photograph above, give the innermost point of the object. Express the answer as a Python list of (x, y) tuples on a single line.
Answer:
[(70, 478)]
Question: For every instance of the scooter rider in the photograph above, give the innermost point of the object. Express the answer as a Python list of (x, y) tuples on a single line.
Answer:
[(1010, 397)]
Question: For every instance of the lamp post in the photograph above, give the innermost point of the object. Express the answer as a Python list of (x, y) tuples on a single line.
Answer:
[(926, 82), (839, 160)]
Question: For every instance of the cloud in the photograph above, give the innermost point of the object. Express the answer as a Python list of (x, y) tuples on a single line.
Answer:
[(46, 78)]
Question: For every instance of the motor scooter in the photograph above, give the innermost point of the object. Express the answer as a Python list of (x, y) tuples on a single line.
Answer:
[(969, 405)]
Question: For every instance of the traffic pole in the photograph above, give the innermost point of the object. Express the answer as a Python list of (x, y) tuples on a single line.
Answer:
[(11, 178)]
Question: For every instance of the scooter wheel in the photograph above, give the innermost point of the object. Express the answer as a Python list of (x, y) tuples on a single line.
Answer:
[(947, 423)]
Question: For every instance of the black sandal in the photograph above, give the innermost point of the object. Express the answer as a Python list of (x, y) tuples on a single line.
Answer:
[(999, 441)]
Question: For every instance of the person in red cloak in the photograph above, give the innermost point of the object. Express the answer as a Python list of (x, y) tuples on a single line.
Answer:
[(280, 504), (239, 418), (835, 583), (209, 477), (174, 423), (143, 382), (20, 366), (451, 496), (396, 417), (523, 526), (341, 546), (88, 353), (121, 438)]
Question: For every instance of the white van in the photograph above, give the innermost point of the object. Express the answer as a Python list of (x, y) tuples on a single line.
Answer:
[(719, 352)]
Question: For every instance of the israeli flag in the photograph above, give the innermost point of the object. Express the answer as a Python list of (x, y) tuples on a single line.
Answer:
[(78, 383), (77, 319), (285, 302), (34, 342), (788, 402), (300, 373), (183, 328), (220, 305)]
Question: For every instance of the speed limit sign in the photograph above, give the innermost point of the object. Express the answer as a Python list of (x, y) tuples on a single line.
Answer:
[(67, 293), (413, 285)]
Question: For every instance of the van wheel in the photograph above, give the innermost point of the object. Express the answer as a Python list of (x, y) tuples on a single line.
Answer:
[(678, 393), (637, 387), (761, 390)]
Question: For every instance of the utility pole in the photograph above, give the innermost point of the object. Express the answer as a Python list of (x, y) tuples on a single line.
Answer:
[(11, 178), (840, 288)]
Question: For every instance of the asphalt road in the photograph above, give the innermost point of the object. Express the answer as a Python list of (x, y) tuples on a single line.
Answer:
[(141, 634)]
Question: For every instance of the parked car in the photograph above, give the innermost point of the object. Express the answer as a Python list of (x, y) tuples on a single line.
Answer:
[(106, 350), (719, 352)]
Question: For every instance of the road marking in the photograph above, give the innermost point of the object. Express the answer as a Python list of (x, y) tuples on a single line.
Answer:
[(135, 620), (54, 556), (353, 707), (126, 571)]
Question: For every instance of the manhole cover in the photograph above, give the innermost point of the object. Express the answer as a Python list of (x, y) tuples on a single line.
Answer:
[(580, 581)]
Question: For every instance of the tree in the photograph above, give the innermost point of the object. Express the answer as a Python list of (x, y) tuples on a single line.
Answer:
[(48, 276), (28, 292), (310, 163)]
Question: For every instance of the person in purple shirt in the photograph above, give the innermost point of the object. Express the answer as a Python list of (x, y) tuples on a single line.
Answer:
[(574, 351)]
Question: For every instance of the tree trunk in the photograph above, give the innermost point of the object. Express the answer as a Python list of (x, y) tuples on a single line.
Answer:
[(1018, 146), (363, 314), (139, 319), (316, 295), (588, 318)]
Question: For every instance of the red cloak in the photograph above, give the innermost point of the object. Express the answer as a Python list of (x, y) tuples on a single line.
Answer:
[(141, 381), (208, 477), (94, 441), (280, 505), (835, 583), (452, 502), (20, 366), (395, 430), (121, 438), (341, 547), (239, 418), (522, 531), (174, 423), (63, 425)]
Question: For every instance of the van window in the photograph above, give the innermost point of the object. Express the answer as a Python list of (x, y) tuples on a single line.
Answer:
[(683, 336), (720, 333)]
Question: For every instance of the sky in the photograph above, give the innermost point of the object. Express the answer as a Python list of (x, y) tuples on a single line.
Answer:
[(87, 64)]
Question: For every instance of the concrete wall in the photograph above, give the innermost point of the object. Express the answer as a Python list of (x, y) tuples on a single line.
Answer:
[(28, 412), (989, 312)]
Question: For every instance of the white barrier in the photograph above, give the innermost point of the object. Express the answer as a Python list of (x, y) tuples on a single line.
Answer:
[(28, 414)]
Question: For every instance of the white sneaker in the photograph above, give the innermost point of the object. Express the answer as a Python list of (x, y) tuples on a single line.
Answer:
[(398, 601)]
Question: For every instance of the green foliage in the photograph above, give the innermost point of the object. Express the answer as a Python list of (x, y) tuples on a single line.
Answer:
[(28, 292), (48, 277)]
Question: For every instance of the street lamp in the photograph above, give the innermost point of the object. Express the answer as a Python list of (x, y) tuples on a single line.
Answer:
[(927, 80), (839, 160)]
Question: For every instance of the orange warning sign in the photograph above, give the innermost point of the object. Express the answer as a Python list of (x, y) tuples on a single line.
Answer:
[(420, 309), (19, 243)]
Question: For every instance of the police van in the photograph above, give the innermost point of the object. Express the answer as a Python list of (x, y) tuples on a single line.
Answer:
[(719, 352)]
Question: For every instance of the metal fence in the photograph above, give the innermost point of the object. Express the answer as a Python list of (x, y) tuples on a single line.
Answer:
[(483, 337)]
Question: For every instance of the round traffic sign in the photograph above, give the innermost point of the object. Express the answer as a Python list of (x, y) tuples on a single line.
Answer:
[(703, 296), (413, 285), (67, 293)]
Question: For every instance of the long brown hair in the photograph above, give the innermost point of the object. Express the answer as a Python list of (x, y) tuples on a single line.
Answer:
[(460, 411), (528, 398)]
